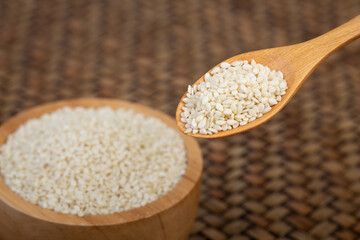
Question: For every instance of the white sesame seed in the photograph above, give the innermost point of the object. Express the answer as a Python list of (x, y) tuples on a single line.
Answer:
[(236, 63), (228, 101), (213, 130), (203, 131), (220, 122), (215, 70), (227, 111), (207, 76), (204, 100), (231, 122), (224, 65), (189, 88), (272, 101), (261, 107), (188, 130), (266, 110), (199, 118), (194, 123), (202, 123), (219, 107), (252, 112)]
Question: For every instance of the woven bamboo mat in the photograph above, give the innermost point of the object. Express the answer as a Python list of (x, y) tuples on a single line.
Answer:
[(295, 177)]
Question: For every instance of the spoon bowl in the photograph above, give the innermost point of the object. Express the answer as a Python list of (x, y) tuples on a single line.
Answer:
[(296, 62), (267, 57)]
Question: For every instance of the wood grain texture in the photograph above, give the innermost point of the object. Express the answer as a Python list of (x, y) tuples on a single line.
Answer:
[(169, 217), (296, 62)]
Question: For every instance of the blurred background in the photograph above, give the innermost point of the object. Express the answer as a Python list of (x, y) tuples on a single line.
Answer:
[(295, 177)]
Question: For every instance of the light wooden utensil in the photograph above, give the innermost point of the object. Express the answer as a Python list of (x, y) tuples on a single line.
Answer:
[(296, 62), (168, 218)]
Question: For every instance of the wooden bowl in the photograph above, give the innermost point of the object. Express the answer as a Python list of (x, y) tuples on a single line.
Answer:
[(169, 217)]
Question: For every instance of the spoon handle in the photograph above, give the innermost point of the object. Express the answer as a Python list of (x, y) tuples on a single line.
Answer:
[(308, 55), (338, 37)]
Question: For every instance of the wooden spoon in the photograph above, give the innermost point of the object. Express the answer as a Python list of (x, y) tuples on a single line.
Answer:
[(296, 62)]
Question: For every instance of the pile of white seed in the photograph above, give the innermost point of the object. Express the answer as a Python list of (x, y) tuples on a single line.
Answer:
[(231, 96), (92, 161)]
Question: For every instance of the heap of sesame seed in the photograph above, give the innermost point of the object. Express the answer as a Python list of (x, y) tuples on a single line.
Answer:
[(231, 96), (92, 161)]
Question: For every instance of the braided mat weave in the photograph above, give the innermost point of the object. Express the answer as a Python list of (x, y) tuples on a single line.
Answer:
[(295, 177)]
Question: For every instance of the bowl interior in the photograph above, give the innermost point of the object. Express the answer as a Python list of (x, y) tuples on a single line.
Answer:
[(177, 194)]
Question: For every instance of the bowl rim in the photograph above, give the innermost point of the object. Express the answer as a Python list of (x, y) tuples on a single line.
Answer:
[(186, 184)]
